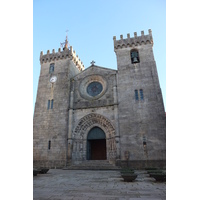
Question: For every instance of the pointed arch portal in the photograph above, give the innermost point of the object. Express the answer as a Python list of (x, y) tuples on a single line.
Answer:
[(94, 139), (96, 144)]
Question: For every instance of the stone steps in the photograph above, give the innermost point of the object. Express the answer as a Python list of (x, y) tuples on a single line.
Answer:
[(93, 165)]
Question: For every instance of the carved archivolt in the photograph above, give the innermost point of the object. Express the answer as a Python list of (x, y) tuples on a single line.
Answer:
[(81, 131), (89, 121)]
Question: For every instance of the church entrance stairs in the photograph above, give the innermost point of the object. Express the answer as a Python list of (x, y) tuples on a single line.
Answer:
[(93, 165)]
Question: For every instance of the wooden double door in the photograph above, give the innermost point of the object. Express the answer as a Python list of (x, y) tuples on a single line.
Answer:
[(96, 144), (97, 149)]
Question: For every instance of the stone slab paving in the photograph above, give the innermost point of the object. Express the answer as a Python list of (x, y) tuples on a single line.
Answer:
[(60, 184)]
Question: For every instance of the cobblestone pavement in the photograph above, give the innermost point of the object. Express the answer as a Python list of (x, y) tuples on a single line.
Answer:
[(60, 184)]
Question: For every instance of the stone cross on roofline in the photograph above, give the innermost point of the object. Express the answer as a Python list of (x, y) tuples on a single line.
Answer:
[(92, 62)]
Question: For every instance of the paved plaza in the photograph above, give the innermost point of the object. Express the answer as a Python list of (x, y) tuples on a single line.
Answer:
[(60, 184)]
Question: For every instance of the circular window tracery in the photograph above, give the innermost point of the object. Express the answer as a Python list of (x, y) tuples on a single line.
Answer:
[(93, 87)]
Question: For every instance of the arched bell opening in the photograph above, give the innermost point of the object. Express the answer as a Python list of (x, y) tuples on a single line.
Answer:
[(96, 144), (134, 56)]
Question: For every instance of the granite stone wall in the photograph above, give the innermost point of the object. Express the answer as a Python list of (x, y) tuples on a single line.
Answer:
[(134, 124), (141, 121), (52, 124)]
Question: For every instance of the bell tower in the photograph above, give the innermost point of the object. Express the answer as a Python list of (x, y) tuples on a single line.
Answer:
[(140, 102), (52, 108)]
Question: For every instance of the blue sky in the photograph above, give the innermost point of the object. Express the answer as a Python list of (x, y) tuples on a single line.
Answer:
[(92, 25)]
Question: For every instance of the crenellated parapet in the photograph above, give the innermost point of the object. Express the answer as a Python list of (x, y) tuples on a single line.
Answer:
[(133, 41), (66, 53)]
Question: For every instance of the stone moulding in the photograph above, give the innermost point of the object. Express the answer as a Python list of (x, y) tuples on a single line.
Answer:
[(134, 41), (90, 119)]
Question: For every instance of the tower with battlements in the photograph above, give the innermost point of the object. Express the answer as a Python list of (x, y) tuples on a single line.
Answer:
[(50, 123), (140, 103), (111, 116)]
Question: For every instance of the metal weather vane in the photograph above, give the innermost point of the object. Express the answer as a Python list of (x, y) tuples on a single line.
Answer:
[(66, 43)]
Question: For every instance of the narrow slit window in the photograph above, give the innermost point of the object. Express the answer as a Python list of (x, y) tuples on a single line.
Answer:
[(141, 94), (144, 141), (48, 105), (52, 104), (136, 95), (49, 144)]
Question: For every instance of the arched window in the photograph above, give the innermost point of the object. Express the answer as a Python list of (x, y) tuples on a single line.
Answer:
[(50, 104), (136, 95), (135, 56), (141, 94), (51, 68)]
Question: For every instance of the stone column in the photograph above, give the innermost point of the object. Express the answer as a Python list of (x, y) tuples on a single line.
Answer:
[(70, 127), (117, 135)]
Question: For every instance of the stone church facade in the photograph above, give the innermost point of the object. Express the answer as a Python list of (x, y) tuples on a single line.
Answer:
[(98, 113)]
